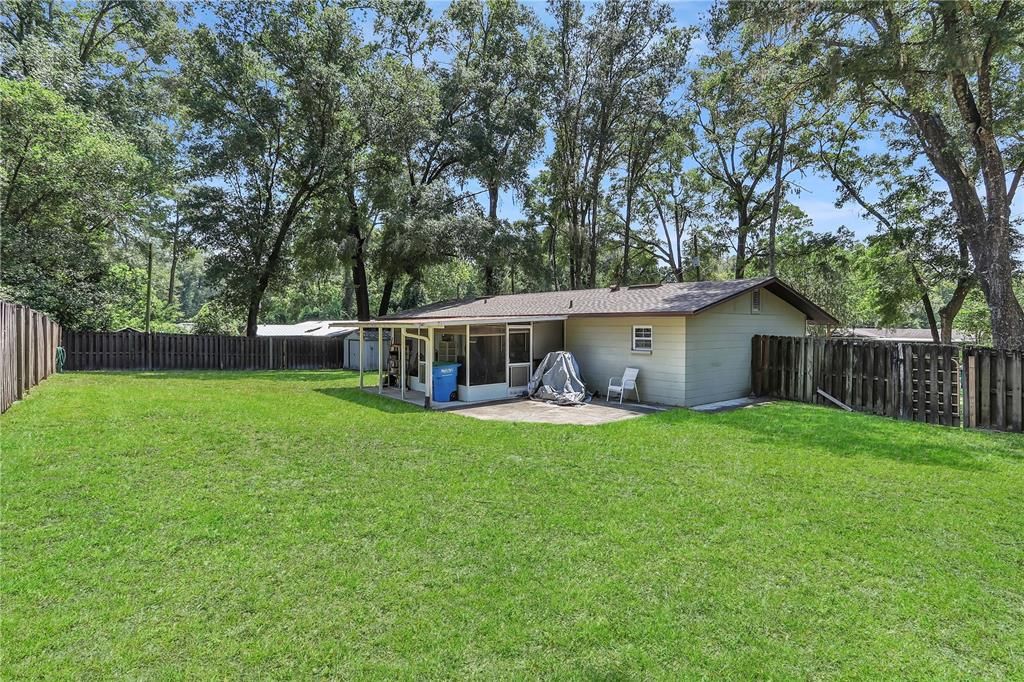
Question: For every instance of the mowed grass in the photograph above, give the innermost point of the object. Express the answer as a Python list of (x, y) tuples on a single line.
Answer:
[(286, 525)]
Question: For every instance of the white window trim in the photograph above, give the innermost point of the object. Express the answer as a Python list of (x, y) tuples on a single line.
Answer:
[(632, 340), (755, 295)]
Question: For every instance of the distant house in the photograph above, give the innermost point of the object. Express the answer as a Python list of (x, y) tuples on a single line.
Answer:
[(331, 328), (311, 328), (691, 341), (895, 334)]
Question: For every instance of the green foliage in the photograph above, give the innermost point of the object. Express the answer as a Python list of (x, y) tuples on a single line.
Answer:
[(826, 268), (69, 184), (125, 289), (270, 129), (974, 320), (218, 317), (289, 165)]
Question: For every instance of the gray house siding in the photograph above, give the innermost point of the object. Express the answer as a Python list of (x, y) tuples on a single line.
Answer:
[(603, 348), (718, 345)]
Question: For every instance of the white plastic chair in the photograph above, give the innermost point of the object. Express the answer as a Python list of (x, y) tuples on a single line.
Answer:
[(626, 383)]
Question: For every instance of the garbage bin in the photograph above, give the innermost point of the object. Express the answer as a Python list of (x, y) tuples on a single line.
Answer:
[(445, 381)]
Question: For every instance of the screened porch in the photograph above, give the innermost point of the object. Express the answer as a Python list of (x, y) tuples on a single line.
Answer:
[(458, 361)]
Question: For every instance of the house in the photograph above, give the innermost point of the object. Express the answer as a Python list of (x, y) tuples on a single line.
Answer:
[(311, 328), (894, 334), (691, 341)]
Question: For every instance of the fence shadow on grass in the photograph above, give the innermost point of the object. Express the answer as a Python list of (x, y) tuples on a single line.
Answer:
[(380, 403), (285, 375), (856, 435)]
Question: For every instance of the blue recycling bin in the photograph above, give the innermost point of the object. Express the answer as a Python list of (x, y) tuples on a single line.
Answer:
[(445, 380)]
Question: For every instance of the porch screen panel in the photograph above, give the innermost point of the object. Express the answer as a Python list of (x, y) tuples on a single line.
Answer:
[(519, 376), (486, 354), (519, 347)]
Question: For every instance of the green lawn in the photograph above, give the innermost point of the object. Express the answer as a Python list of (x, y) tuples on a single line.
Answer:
[(212, 525)]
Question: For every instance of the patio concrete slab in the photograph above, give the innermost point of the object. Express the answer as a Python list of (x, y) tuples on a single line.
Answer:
[(597, 412), (523, 410)]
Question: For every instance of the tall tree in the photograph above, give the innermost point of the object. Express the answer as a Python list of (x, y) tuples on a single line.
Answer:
[(92, 81), (918, 246), (68, 183), (610, 67), (952, 72), (271, 128), (419, 148), (499, 62)]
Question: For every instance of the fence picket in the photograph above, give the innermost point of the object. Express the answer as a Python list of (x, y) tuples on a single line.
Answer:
[(28, 349), (160, 351)]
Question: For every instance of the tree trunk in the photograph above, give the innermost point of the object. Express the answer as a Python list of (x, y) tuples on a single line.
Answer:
[(385, 296), (741, 248), (174, 260), (948, 312), (490, 286), (359, 279), (253, 316), (627, 228), (929, 312), (776, 197), (986, 226), (995, 274), (361, 287)]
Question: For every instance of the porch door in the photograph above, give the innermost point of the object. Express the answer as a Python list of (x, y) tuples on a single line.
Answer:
[(520, 364)]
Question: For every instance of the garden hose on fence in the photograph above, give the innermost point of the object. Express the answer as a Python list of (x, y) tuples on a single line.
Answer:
[(61, 357)]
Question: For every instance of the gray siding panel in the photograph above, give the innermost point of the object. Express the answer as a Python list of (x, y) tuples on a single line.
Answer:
[(602, 346), (718, 345)]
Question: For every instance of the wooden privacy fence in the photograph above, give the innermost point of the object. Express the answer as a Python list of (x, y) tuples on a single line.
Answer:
[(916, 381), (939, 384), (994, 383), (157, 351), (28, 350)]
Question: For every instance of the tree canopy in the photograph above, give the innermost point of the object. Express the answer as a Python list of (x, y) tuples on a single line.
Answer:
[(325, 159)]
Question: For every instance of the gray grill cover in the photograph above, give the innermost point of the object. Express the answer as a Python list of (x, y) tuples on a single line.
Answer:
[(557, 380)]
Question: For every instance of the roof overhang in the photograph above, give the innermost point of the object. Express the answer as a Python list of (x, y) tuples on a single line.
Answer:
[(814, 313), (439, 322)]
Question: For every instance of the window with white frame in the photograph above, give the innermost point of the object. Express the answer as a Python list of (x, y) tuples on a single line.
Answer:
[(643, 339), (755, 301)]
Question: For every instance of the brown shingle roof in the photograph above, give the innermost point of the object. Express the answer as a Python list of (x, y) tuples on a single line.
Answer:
[(685, 298)]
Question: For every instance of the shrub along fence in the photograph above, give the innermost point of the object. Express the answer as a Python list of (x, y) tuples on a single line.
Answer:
[(915, 381), (28, 350), (158, 351)]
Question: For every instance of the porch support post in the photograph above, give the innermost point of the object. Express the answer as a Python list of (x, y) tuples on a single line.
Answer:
[(380, 360), (430, 368), (531, 353), (360, 357), (468, 349), (507, 359), (401, 359)]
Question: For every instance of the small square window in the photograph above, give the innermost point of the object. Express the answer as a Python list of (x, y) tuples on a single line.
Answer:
[(755, 301), (643, 339)]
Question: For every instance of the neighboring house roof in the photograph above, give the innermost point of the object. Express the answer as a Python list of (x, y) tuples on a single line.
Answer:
[(312, 328), (671, 298), (894, 334)]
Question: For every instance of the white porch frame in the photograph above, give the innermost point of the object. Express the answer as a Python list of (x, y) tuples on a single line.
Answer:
[(424, 330)]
